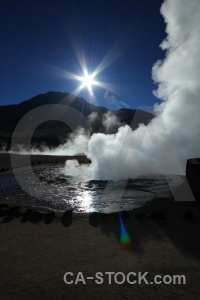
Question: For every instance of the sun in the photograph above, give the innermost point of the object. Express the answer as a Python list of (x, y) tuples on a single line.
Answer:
[(87, 80)]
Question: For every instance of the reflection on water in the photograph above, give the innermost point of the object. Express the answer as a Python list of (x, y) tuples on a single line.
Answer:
[(83, 196), (85, 199)]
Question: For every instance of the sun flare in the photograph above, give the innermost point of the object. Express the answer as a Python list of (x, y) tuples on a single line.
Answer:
[(87, 80)]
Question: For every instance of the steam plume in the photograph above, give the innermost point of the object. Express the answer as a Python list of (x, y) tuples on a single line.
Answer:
[(173, 135)]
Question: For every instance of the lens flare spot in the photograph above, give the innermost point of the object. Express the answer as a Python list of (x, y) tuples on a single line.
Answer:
[(125, 239)]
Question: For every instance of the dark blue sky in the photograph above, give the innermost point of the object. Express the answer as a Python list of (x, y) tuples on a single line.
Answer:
[(39, 41)]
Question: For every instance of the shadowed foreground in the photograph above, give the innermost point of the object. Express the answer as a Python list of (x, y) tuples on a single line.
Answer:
[(37, 249)]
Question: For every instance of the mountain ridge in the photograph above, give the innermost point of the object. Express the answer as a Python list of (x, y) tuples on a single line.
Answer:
[(11, 114)]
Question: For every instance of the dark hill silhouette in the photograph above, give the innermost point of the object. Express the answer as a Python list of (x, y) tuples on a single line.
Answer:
[(53, 132), (11, 114)]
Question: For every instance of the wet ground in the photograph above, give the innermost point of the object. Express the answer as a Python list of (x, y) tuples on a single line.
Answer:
[(50, 188)]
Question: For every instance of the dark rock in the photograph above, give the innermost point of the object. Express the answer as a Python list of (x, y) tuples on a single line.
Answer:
[(3, 205), (125, 214), (140, 215), (157, 215), (50, 181), (67, 218), (49, 218), (189, 215), (114, 214), (193, 176), (93, 181), (60, 180), (13, 212), (3, 210), (93, 219), (36, 217), (26, 216), (33, 216), (103, 216)]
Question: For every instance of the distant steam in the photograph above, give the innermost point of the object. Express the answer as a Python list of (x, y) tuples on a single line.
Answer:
[(111, 122), (76, 144)]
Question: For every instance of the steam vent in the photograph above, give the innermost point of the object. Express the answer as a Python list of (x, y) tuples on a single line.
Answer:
[(193, 176)]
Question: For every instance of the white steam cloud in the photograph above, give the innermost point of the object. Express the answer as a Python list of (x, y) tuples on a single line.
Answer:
[(110, 121), (93, 117), (173, 135)]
